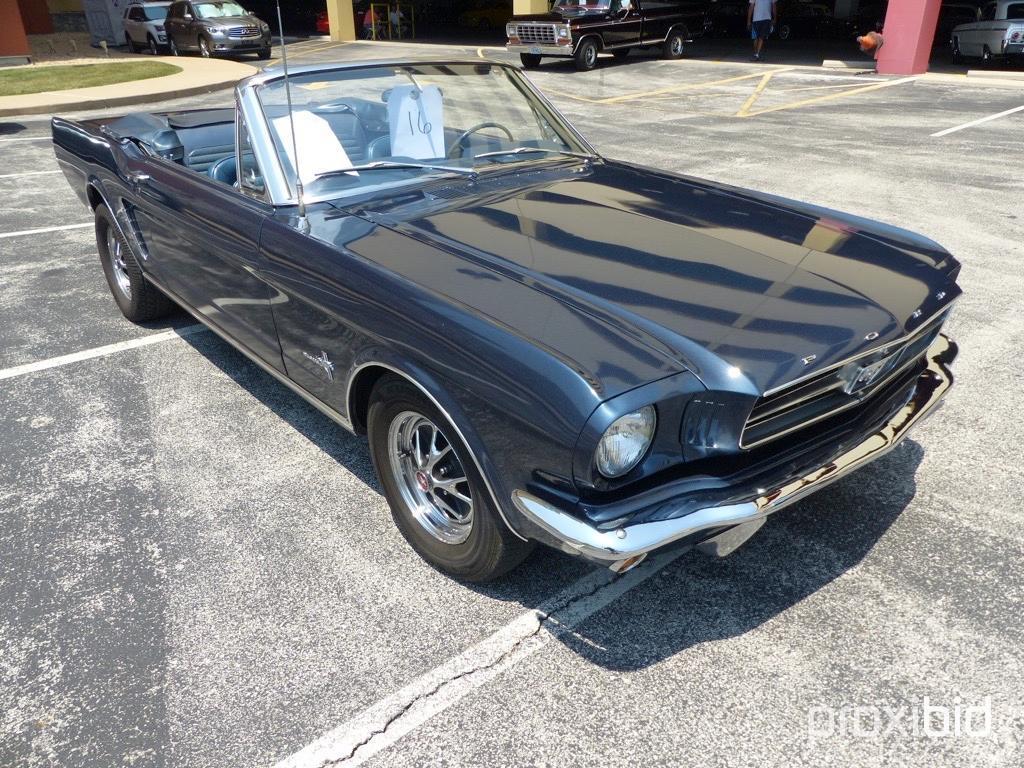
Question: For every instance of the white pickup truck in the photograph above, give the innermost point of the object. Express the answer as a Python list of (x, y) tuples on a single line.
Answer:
[(999, 33)]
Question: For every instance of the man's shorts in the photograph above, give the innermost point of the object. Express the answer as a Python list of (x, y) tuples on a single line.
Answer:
[(761, 29)]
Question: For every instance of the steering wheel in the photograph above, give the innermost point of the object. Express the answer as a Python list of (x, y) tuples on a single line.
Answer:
[(457, 144)]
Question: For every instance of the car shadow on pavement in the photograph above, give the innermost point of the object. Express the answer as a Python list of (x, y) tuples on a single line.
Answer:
[(696, 598), (801, 550)]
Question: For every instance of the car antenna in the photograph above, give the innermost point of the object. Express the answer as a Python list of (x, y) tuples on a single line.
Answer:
[(303, 221)]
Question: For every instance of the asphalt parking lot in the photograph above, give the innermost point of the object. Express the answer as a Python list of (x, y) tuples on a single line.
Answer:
[(197, 569)]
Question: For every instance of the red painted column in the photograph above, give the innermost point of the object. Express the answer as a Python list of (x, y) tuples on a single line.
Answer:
[(13, 43), (36, 17), (908, 32)]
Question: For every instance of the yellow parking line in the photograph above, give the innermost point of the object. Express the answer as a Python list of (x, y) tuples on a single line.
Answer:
[(830, 96), (755, 95), (687, 87)]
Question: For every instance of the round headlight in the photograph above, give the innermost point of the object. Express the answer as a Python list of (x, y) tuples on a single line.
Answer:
[(510, 30), (625, 442), (563, 32)]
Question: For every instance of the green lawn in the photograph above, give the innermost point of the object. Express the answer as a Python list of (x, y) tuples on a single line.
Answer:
[(16, 81)]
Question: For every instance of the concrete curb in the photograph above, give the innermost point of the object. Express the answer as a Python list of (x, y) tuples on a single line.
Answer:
[(995, 74), (196, 76), (841, 64)]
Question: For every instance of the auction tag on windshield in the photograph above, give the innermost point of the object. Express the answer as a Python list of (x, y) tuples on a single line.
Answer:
[(416, 122), (319, 148)]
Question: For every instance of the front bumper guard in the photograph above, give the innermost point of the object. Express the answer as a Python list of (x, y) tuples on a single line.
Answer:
[(624, 547)]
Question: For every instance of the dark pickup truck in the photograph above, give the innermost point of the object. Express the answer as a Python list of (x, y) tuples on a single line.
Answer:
[(579, 30)]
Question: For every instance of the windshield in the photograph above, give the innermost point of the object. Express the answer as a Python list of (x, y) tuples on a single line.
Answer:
[(155, 12), (218, 10), (430, 118)]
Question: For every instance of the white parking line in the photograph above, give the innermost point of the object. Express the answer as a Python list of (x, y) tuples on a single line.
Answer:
[(109, 349), (979, 121), (382, 724), (28, 138), (27, 173), (41, 230)]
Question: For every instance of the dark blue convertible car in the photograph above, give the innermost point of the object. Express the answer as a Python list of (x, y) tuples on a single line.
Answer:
[(542, 344)]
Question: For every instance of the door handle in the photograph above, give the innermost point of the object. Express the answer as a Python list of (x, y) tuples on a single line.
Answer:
[(138, 178)]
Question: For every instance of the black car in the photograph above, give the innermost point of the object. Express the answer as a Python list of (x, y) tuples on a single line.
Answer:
[(581, 29), (541, 344)]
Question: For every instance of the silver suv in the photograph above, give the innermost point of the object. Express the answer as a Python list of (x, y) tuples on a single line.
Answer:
[(215, 26), (144, 26)]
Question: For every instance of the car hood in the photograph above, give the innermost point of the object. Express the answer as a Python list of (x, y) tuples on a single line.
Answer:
[(747, 291), (226, 21)]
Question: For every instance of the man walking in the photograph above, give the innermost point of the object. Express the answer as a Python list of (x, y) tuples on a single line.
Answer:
[(761, 18)]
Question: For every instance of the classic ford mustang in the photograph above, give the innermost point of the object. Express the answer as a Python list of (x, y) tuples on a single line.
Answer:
[(542, 344)]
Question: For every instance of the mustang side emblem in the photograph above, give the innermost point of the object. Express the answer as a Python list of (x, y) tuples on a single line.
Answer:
[(809, 359), (323, 362)]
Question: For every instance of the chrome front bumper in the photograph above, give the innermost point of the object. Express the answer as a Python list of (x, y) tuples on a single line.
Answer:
[(624, 547), (541, 50)]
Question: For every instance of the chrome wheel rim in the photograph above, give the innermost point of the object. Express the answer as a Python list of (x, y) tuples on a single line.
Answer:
[(117, 264), (430, 477), (204, 48), (677, 46), (591, 55)]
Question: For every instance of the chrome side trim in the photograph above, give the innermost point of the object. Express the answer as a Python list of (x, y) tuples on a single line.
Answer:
[(628, 541), (348, 404)]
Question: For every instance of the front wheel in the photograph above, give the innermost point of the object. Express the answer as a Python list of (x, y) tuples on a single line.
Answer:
[(154, 49), (264, 53), (437, 497), (673, 46), (785, 32), (954, 49), (137, 299), (204, 47), (530, 60), (586, 56)]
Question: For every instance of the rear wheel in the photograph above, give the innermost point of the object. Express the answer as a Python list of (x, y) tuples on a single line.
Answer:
[(154, 49), (137, 299), (987, 56), (673, 46), (530, 60), (586, 56), (438, 499), (785, 31), (129, 43)]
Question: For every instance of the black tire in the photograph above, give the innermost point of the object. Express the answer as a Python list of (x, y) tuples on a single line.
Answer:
[(140, 301), (954, 50), (490, 549), (586, 55), (785, 31), (173, 46), (621, 54), (987, 57), (130, 44), (530, 60), (151, 44), (674, 46), (264, 54), (204, 46)]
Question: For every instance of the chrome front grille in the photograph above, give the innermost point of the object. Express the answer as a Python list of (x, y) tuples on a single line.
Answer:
[(536, 33), (248, 31), (836, 389)]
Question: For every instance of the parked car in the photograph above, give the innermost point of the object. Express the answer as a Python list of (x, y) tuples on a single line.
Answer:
[(952, 15), (542, 344), (144, 27), (323, 23), (581, 29), (726, 18), (999, 34), (807, 21), (212, 27)]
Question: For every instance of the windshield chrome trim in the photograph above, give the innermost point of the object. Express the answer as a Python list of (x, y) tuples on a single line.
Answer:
[(281, 190)]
